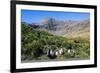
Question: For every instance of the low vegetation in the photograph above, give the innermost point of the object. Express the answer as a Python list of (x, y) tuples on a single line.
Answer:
[(35, 43)]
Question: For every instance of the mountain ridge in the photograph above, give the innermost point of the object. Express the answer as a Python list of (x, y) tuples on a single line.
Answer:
[(66, 28)]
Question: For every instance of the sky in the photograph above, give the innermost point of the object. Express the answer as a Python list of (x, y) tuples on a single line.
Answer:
[(35, 16)]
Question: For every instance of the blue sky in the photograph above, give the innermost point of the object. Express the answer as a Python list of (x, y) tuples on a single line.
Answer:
[(35, 16)]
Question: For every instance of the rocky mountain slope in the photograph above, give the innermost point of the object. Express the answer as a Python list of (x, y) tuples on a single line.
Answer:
[(66, 28)]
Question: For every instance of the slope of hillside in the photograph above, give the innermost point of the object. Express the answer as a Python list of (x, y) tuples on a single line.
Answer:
[(80, 33), (65, 28), (36, 42)]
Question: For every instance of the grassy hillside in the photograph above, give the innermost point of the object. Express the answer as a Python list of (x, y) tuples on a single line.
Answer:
[(35, 44), (85, 33)]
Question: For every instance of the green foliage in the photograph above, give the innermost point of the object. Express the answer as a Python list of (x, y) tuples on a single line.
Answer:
[(35, 44)]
